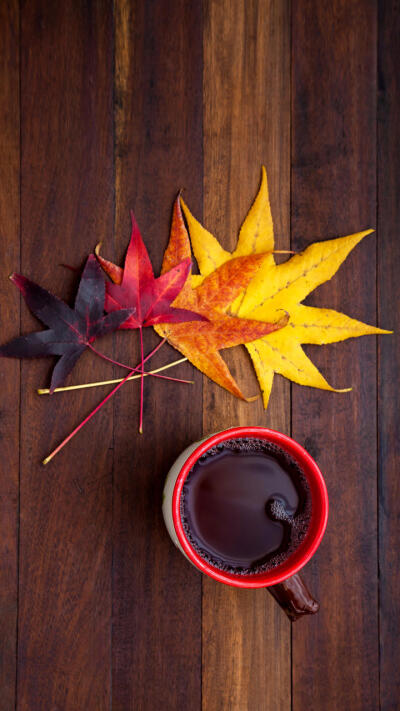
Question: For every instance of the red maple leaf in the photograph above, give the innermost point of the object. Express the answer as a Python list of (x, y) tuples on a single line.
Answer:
[(135, 287)]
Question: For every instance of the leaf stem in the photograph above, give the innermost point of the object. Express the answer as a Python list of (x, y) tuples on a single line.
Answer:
[(123, 365), (89, 417), (155, 373), (141, 381)]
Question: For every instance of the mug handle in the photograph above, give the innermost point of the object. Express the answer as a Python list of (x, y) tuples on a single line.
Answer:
[(294, 597)]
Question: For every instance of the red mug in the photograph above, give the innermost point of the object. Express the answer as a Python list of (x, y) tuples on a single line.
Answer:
[(283, 581)]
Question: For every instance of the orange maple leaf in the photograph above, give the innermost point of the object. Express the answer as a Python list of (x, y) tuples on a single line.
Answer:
[(200, 342)]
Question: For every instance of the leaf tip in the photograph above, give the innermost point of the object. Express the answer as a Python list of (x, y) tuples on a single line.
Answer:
[(364, 233), (133, 220), (383, 332), (183, 204)]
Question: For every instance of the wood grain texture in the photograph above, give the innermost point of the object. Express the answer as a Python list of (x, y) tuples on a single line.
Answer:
[(121, 105), (246, 638), (66, 204), (156, 594), (389, 351), (335, 654), (10, 373)]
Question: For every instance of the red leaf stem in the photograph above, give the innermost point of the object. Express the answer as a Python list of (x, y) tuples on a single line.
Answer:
[(89, 417), (138, 369), (141, 382), (123, 365)]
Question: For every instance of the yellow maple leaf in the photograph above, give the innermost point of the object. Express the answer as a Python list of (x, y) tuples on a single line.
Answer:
[(201, 342), (282, 287)]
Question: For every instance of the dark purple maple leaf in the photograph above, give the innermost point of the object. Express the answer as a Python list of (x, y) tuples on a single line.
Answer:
[(70, 331)]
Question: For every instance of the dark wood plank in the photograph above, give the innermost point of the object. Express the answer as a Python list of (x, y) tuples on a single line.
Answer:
[(389, 351), (10, 370), (156, 593), (67, 206), (246, 637), (335, 654)]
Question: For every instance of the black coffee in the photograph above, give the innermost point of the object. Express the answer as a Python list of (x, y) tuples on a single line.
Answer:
[(245, 506)]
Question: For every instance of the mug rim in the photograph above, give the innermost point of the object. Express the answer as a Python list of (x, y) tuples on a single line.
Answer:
[(308, 546)]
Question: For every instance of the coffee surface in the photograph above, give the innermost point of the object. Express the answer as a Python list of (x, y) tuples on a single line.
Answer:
[(245, 506)]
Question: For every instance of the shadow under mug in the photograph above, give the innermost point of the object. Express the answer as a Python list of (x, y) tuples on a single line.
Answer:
[(282, 581)]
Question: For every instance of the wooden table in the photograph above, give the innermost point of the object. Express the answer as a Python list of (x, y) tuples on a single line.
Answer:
[(109, 107)]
